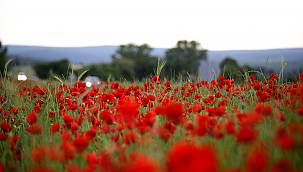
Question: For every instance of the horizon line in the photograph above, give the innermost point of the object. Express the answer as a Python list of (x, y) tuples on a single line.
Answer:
[(106, 45)]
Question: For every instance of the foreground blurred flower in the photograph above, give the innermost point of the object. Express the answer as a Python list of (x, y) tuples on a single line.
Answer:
[(81, 143), (257, 160), (34, 129), (3, 136), (43, 169), (141, 163), (127, 110), (1, 167), (246, 134), (192, 158), (284, 140), (282, 165)]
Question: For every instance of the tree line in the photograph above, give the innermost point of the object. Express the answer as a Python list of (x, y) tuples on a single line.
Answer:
[(135, 62)]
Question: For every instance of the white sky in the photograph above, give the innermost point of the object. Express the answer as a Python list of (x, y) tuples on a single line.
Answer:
[(216, 24)]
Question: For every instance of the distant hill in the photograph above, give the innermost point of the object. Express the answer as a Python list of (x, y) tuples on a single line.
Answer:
[(84, 55), (270, 58)]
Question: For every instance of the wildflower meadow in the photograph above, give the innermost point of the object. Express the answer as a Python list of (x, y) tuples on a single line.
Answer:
[(154, 125)]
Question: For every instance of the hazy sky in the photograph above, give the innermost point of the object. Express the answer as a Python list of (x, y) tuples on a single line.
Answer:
[(216, 24)]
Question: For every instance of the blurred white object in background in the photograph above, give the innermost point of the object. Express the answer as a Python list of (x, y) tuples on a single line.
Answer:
[(92, 80), (88, 84), (22, 76)]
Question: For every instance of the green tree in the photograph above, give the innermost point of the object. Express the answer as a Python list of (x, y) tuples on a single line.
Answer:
[(57, 67), (103, 71), (134, 61), (3, 59), (230, 68), (185, 58)]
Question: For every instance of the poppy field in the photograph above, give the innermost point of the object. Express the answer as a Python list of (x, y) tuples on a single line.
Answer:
[(157, 125)]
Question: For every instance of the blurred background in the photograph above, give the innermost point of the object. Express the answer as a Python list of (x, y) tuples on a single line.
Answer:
[(124, 40)]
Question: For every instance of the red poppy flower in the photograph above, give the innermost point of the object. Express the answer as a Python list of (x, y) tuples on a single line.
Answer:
[(107, 117), (141, 163), (37, 109), (156, 79), (282, 165), (300, 111), (203, 125), (249, 119), (219, 111), (14, 110), (34, 129), (55, 128), (246, 134), (130, 137), (73, 126), (167, 85), (115, 138), (2, 168), (67, 118), (265, 110), (68, 151), (91, 134), (173, 111), (39, 90), (52, 114), (192, 158), (230, 127), (39, 154), (92, 159), (163, 133), (3, 136), (284, 139), (5, 126), (257, 160), (42, 169), (81, 143), (2, 99), (72, 106), (106, 163), (128, 109), (31, 118)]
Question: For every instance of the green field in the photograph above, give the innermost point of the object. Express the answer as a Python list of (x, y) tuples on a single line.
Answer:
[(155, 125)]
